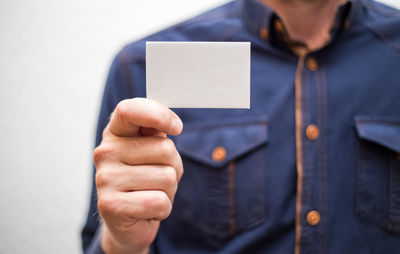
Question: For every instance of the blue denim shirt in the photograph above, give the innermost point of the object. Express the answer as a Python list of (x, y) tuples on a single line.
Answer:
[(312, 167)]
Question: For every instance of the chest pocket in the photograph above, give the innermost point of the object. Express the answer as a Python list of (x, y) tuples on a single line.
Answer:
[(222, 190), (378, 172)]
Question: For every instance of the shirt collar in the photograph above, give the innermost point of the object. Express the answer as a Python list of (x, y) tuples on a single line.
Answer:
[(263, 22), (256, 17)]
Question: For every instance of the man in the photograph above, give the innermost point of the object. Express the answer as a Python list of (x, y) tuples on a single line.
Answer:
[(312, 167)]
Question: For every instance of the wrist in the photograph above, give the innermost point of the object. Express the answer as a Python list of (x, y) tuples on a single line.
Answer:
[(111, 246)]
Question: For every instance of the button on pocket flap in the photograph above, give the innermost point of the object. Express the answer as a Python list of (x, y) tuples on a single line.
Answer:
[(382, 130), (218, 142)]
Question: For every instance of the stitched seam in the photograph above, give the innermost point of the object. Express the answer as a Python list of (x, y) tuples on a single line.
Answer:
[(383, 39), (322, 118), (378, 35), (299, 162), (232, 220), (307, 164)]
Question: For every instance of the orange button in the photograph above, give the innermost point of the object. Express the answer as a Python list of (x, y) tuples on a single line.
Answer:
[(312, 63), (264, 33), (278, 26), (218, 154), (312, 132), (313, 218)]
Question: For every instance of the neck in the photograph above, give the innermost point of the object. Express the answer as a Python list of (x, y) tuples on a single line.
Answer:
[(308, 21)]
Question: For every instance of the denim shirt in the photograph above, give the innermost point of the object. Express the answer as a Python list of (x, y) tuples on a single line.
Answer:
[(312, 167)]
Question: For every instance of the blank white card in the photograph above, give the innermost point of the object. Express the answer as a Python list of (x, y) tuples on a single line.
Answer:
[(198, 74)]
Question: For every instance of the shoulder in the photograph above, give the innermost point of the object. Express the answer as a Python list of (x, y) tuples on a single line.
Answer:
[(219, 24), (383, 21)]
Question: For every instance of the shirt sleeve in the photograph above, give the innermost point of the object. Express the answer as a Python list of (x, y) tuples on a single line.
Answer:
[(95, 246), (116, 89)]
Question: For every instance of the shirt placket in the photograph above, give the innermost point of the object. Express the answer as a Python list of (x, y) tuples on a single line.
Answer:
[(311, 200)]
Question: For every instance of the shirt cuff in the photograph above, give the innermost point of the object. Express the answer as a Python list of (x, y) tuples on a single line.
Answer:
[(95, 246)]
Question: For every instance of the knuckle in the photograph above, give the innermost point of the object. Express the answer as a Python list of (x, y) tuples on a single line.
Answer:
[(102, 178), (160, 205), (107, 176), (106, 131), (180, 169), (107, 205), (165, 206), (167, 147), (180, 174), (98, 154), (101, 152), (169, 177)]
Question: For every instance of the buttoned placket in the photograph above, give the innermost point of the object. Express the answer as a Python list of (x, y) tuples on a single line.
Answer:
[(311, 123), (311, 129)]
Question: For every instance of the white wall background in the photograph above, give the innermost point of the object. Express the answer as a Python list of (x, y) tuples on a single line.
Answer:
[(54, 56)]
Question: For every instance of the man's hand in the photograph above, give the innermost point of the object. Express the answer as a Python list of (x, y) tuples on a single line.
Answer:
[(137, 173)]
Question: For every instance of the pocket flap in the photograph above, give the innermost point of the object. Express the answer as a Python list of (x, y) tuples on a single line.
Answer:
[(383, 130), (235, 136)]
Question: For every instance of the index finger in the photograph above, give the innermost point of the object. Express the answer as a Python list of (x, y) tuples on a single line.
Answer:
[(131, 114)]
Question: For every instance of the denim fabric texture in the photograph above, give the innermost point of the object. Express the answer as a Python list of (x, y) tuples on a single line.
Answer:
[(249, 201)]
